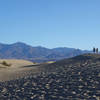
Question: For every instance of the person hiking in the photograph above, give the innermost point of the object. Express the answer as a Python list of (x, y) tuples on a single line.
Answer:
[(97, 50), (94, 50)]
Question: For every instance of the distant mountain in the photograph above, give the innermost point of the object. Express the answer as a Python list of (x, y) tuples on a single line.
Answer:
[(21, 50)]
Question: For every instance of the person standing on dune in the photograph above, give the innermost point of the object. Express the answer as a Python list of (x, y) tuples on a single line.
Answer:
[(97, 50), (94, 50)]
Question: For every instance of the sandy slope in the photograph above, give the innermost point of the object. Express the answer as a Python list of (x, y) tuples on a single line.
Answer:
[(18, 68)]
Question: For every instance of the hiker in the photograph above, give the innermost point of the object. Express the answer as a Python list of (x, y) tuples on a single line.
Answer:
[(97, 50), (94, 50)]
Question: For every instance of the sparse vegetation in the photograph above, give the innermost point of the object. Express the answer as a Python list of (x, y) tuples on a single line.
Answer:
[(5, 63)]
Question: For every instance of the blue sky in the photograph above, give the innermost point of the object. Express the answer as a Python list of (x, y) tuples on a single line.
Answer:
[(51, 23)]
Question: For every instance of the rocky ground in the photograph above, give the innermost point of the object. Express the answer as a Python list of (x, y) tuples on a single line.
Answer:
[(77, 78)]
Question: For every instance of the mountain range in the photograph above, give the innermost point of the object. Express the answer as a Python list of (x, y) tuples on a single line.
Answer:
[(21, 50)]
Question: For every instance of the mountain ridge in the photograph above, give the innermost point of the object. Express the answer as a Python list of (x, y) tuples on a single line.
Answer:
[(21, 50)]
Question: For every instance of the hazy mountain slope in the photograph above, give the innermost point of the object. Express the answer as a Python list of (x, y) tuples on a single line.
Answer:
[(21, 50), (39, 54)]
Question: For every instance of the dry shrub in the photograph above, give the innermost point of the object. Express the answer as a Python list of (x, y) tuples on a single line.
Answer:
[(5, 63)]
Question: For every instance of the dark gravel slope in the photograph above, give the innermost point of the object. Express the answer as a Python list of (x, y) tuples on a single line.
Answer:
[(77, 78)]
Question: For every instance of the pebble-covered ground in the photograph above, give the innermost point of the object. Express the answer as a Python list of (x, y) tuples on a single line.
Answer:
[(74, 79)]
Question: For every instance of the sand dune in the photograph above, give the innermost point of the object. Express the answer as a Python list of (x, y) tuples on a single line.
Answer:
[(18, 68), (76, 78)]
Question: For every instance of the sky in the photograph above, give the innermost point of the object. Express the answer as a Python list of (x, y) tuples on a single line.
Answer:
[(51, 23)]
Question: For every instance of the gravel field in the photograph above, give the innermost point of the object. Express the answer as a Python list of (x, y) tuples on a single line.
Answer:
[(77, 78)]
